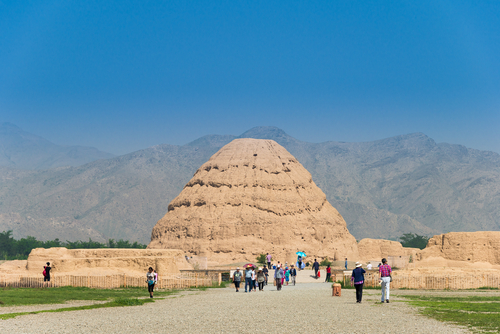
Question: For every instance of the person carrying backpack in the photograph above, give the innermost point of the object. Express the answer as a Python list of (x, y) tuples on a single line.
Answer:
[(46, 272)]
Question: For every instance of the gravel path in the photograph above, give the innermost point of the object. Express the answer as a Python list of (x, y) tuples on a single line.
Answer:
[(305, 307)]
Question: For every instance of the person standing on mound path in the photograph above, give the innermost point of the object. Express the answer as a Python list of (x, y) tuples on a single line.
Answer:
[(268, 259)]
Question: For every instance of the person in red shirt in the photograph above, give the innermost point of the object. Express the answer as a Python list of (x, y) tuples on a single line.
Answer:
[(328, 273)]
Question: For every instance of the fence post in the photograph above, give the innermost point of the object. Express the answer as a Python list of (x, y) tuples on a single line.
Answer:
[(220, 279)]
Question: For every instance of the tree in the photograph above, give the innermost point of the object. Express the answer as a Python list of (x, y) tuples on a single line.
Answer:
[(7, 244), (414, 240), (261, 259)]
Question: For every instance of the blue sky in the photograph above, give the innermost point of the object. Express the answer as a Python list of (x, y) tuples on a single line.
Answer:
[(125, 75)]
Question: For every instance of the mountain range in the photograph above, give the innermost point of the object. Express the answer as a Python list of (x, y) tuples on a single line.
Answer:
[(24, 150), (383, 188)]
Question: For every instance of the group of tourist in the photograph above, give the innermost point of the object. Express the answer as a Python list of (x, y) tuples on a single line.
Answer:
[(259, 277), (282, 273)]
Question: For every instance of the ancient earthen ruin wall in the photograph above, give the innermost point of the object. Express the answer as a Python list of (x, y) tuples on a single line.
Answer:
[(106, 261), (376, 249), (253, 197), (464, 246)]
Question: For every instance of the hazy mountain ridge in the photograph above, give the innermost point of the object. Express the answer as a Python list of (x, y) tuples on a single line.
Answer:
[(23, 150), (383, 189)]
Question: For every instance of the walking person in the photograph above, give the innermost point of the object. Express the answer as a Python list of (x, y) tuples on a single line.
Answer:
[(150, 278), (385, 271), (316, 268), (268, 259), (299, 262), (328, 273), (287, 276), (345, 263), (293, 274), (261, 279), (237, 279), (278, 276), (46, 273), (266, 273), (254, 280), (248, 279), (358, 278)]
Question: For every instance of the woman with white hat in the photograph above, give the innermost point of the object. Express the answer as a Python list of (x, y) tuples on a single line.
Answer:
[(358, 278)]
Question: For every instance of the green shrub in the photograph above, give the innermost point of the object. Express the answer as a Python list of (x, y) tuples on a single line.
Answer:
[(261, 259), (414, 240), (325, 262)]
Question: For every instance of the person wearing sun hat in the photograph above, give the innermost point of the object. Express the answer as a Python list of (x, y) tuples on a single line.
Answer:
[(358, 278)]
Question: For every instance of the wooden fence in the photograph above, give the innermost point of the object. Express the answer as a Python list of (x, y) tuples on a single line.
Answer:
[(175, 281), (429, 281)]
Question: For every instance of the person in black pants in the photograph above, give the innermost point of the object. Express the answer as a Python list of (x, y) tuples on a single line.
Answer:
[(316, 268), (266, 273), (46, 270), (358, 278)]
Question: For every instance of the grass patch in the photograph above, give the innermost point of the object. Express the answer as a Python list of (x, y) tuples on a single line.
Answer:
[(475, 312), (37, 296), (114, 297), (119, 302)]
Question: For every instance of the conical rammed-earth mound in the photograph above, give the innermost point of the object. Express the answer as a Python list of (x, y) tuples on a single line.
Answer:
[(253, 197)]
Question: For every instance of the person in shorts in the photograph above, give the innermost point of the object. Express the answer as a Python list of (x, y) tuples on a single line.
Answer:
[(237, 279), (151, 281)]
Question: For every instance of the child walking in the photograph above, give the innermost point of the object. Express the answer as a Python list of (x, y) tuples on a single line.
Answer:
[(287, 276)]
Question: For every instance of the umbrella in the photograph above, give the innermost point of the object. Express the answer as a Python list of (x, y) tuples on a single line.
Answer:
[(249, 265), (301, 254)]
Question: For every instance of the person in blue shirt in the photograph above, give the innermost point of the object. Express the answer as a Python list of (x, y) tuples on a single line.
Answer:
[(358, 278), (248, 279), (345, 263)]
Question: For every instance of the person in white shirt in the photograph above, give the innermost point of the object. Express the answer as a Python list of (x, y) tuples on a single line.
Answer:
[(254, 281), (369, 266)]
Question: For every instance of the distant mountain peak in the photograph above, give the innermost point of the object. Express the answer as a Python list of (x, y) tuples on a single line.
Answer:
[(266, 132)]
